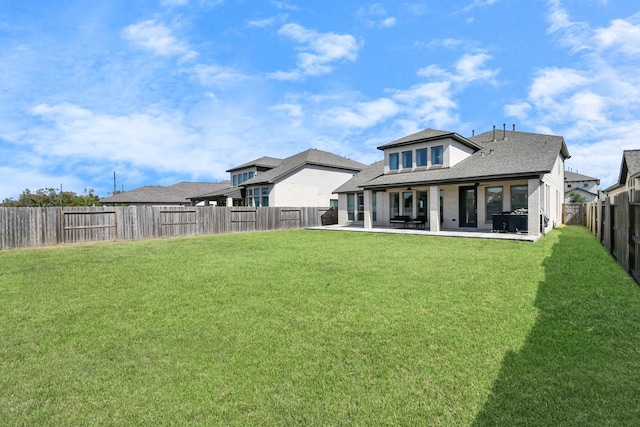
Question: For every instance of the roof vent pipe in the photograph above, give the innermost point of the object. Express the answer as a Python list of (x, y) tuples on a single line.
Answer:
[(514, 127), (473, 132), (494, 133), (504, 131)]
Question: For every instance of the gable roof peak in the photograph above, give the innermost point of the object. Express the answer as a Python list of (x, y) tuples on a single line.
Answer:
[(429, 134)]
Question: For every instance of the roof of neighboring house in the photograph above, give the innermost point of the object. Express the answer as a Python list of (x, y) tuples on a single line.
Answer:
[(428, 135), (630, 167), (226, 192), (157, 194), (355, 184), (579, 190), (573, 176), (308, 157), (521, 154), (264, 161)]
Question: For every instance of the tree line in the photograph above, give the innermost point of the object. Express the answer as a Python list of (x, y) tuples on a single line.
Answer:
[(47, 197)]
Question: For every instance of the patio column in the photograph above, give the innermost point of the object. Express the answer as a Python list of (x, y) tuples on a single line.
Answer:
[(229, 201), (534, 207), (434, 208), (368, 207)]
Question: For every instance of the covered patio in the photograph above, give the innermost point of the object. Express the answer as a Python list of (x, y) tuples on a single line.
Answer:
[(474, 234)]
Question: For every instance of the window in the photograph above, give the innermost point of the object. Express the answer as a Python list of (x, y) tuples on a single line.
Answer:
[(421, 157), (239, 178), (519, 197), (374, 206), (394, 204), (244, 176), (407, 159), (568, 185), (407, 198), (436, 155), (493, 199), (235, 180), (351, 206), (265, 196), (585, 185), (394, 159), (250, 175), (360, 207)]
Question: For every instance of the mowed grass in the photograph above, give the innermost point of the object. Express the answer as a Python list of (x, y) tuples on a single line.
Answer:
[(320, 328)]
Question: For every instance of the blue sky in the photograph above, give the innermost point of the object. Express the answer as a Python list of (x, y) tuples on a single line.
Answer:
[(165, 91)]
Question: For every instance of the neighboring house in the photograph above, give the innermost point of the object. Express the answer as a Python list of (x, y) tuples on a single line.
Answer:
[(234, 194), (306, 179), (580, 185), (629, 178), (156, 195), (458, 183)]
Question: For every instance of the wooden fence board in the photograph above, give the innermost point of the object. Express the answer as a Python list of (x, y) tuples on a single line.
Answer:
[(32, 227)]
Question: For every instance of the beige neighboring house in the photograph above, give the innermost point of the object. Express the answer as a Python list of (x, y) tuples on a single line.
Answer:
[(582, 185), (306, 179), (156, 195), (450, 182), (629, 178)]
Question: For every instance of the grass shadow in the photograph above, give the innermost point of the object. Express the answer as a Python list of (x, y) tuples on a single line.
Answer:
[(580, 364)]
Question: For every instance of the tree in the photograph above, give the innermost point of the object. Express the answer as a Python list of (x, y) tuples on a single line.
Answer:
[(52, 197), (575, 197)]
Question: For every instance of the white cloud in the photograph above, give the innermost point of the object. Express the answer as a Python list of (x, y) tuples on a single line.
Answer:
[(362, 114), (152, 139), (595, 102), (214, 75), (376, 15), (157, 38), (479, 3), (318, 51), (623, 36)]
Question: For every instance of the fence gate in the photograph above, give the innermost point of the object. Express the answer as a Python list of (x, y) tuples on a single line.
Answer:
[(92, 226), (575, 214), (177, 223), (290, 218)]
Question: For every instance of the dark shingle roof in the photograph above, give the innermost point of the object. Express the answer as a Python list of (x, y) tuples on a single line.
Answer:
[(308, 157), (428, 135), (264, 161), (632, 160), (630, 167), (355, 184), (520, 154), (157, 194), (573, 176)]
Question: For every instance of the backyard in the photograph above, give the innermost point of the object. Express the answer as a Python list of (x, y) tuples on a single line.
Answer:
[(320, 328)]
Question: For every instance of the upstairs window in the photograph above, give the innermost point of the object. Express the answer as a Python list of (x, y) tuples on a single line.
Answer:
[(235, 180), (421, 157), (436, 155), (407, 159), (394, 161)]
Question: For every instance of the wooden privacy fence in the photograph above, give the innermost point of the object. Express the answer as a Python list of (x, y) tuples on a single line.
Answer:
[(615, 221), (32, 227)]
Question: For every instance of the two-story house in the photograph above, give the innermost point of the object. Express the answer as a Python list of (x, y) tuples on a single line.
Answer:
[(578, 186), (629, 177), (306, 179), (458, 183)]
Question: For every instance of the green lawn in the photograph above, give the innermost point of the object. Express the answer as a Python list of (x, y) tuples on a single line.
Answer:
[(320, 328)]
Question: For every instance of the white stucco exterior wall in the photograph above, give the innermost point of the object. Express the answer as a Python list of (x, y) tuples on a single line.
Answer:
[(309, 186)]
